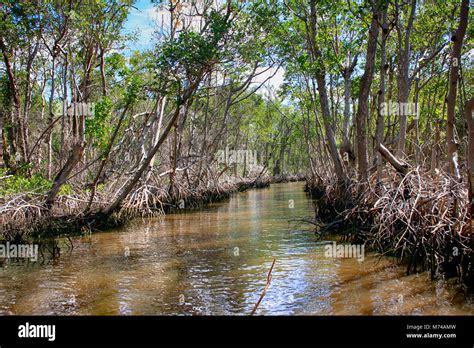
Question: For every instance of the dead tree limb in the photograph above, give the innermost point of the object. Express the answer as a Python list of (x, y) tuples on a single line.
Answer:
[(269, 279), (399, 165)]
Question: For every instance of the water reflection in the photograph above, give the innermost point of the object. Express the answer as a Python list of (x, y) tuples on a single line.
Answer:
[(215, 261)]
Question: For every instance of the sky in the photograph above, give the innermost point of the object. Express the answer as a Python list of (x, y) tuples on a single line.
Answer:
[(142, 20), (145, 17)]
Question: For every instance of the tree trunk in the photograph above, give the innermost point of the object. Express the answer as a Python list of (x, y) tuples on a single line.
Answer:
[(469, 114), (365, 83), (400, 166), (102, 72), (453, 82), (323, 97), (383, 72), (61, 177), (50, 120), (347, 110), (156, 127), (346, 149), (16, 114), (2, 164), (403, 76), (105, 158)]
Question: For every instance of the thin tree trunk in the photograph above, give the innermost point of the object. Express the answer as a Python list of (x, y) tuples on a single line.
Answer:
[(102, 72), (453, 82), (404, 82), (50, 120), (16, 114), (469, 115), (105, 158), (383, 72), (365, 83), (61, 177), (323, 97), (156, 135)]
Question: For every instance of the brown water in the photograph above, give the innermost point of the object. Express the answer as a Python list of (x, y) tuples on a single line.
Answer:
[(215, 261)]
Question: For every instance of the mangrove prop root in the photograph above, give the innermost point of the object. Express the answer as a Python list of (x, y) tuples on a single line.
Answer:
[(421, 218)]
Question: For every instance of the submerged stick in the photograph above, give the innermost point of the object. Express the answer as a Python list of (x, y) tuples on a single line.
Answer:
[(269, 278)]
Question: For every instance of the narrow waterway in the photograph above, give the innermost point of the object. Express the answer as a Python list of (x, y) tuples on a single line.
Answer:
[(214, 261)]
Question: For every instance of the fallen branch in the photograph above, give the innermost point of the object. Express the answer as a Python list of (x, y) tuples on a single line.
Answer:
[(269, 278), (399, 165)]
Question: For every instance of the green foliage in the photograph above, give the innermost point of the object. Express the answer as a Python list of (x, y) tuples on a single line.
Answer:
[(97, 126), (17, 184), (134, 89), (115, 64), (36, 184), (190, 54)]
